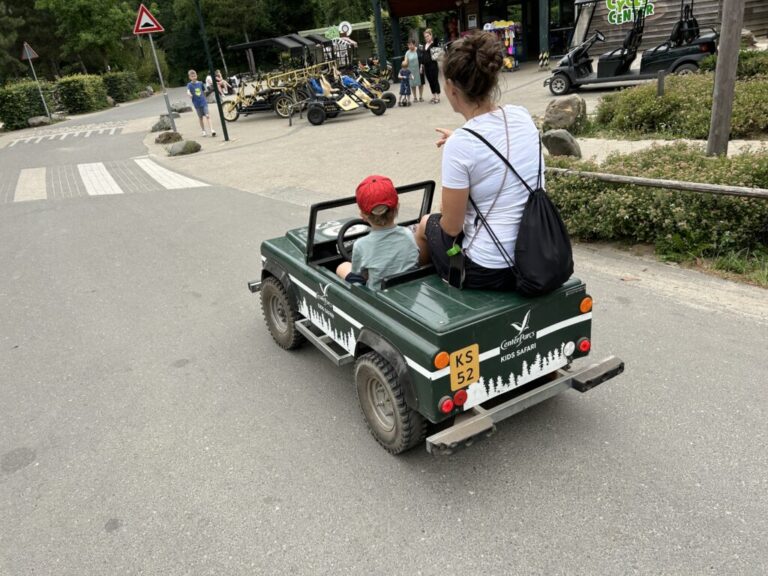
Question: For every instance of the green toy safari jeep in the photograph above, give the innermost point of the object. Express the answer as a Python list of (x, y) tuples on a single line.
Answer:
[(428, 357)]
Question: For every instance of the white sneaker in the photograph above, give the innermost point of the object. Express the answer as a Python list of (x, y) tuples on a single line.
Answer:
[(213, 133), (203, 133)]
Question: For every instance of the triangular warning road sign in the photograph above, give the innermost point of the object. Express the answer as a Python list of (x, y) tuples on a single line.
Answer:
[(146, 23), (27, 53)]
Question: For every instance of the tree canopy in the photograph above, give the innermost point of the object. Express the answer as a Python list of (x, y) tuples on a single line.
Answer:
[(96, 35)]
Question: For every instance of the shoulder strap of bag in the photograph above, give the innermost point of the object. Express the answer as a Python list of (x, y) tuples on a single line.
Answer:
[(503, 159)]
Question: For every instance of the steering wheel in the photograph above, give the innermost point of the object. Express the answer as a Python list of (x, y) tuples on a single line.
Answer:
[(340, 240)]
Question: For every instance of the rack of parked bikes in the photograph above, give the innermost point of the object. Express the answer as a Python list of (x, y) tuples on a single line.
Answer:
[(327, 83)]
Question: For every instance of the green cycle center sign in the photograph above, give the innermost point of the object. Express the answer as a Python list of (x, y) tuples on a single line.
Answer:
[(622, 11)]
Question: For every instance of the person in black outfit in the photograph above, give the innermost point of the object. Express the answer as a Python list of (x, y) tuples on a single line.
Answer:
[(430, 66)]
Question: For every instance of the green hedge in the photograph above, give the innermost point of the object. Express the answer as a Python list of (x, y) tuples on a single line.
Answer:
[(121, 86), (685, 109), (680, 224), (20, 101), (751, 63), (82, 93)]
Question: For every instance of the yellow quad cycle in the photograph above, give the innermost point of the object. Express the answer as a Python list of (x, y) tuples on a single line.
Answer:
[(252, 97)]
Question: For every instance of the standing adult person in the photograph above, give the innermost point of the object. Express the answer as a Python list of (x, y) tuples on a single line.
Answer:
[(414, 65), (463, 249), (429, 62)]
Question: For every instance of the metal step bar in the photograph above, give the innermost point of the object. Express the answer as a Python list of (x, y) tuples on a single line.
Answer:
[(324, 343)]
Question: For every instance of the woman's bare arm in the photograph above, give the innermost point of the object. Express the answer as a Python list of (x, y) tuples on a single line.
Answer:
[(453, 209)]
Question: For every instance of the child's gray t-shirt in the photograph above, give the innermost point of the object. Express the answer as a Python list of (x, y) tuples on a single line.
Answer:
[(384, 252)]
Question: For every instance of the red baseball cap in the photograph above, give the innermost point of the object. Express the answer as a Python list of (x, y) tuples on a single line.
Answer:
[(376, 191)]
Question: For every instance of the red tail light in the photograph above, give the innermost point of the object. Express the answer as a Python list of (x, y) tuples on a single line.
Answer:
[(446, 404), (584, 345), (460, 397)]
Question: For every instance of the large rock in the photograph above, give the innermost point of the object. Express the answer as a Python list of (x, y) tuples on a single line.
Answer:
[(568, 113), (168, 138), (36, 121), (174, 114), (748, 39), (163, 124), (144, 94), (181, 106), (561, 143), (184, 147), (149, 90), (111, 101)]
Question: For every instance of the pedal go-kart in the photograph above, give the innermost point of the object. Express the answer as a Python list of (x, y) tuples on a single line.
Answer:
[(428, 358), (327, 101), (259, 100)]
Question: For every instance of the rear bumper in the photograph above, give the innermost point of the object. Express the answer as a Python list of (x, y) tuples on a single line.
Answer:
[(479, 422)]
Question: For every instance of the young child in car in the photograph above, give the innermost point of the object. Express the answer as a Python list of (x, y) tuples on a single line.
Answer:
[(388, 248)]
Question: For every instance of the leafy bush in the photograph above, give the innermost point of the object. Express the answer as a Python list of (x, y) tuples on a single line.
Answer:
[(751, 63), (685, 109), (147, 70), (82, 93), (680, 224), (121, 86), (20, 101)]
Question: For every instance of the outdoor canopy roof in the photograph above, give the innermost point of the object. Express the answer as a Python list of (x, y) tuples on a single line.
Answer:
[(403, 8), (288, 42)]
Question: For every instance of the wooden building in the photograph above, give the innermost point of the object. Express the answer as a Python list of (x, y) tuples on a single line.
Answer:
[(547, 25)]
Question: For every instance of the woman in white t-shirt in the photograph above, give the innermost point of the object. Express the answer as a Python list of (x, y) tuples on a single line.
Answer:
[(473, 172)]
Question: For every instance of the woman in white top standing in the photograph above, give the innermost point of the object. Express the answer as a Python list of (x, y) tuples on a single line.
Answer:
[(473, 172)]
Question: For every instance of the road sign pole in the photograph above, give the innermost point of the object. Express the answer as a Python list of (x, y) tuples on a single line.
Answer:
[(162, 84), (34, 75), (213, 72)]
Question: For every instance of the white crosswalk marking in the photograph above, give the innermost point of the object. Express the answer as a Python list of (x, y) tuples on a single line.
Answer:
[(136, 176), (97, 180), (31, 185), (166, 178)]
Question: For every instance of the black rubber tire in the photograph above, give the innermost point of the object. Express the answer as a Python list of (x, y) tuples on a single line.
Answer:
[(316, 115), (377, 106), (560, 85), (687, 68), (390, 99), (383, 84), (283, 105), (230, 111), (394, 425), (280, 314)]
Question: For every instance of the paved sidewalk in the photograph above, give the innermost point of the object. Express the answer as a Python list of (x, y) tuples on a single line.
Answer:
[(302, 163)]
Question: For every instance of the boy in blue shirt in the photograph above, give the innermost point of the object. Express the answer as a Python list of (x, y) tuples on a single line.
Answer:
[(388, 249), (196, 91)]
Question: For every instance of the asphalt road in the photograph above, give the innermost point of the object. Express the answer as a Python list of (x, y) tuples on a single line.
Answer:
[(149, 425)]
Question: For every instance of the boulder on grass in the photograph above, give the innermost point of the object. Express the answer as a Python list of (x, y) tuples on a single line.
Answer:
[(163, 124), (36, 121), (144, 94), (149, 90), (561, 143), (567, 113), (111, 101), (748, 39), (181, 106), (184, 147), (168, 137)]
